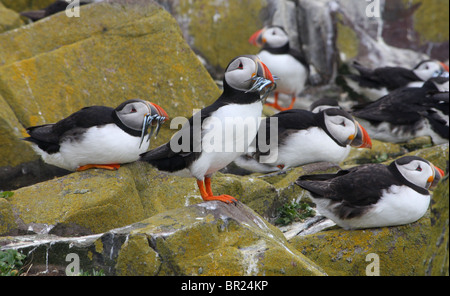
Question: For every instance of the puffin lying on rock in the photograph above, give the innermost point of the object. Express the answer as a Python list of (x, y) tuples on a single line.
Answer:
[(304, 137), (378, 82), (374, 195), (286, 63), (98, 136), (204, 144), (407, 113)]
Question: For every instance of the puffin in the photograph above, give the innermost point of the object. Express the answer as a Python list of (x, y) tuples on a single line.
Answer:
[(285, 63), (374, 195), (408, 112), (205, 144), (375, 83), (98, 136), (295, 137)]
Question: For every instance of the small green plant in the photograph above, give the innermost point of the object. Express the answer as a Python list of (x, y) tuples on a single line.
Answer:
[(293, 212), (6, 194), (381, 157), (11, 261)]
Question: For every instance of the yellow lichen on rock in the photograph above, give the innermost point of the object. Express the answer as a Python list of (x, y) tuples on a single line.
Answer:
[(95, 200), (23, 5), (235, 242), (136, 257), (431, 19), (7, 221), (220, 29), (341, 252), (13, 150), (436, 257), (49, 74), (9, 19)]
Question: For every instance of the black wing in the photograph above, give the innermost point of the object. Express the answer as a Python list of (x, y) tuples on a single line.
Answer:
[(403, 106), (389, 77), (297, 119), (437, 109), (354, 189), (287, 122), (439, 100), (299, 57), (48, 136)]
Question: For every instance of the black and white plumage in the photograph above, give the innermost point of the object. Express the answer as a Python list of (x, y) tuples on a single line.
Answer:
[(286, 63), (204, 144), (375, 83), (408, 113), (98, 136), (304, 137), (374, 195)]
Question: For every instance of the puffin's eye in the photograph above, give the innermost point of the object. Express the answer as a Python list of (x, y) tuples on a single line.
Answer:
[(240, 65), (419, 169), (133, 110), (274, 33)]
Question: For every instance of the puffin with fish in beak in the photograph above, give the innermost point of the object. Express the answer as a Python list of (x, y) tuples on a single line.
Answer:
[(98, 136)]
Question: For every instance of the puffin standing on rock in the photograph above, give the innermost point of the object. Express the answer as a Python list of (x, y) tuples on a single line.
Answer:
[(374, 195), (305, 137), (378, 82), (98, 136), (286, 63), (204, 144)]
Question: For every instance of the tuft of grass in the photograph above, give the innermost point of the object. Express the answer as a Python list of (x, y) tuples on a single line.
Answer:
[(11, 262), (6, 194), (294, 212)]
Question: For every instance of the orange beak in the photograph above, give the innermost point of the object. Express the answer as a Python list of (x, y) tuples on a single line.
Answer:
[(160, 111), (441, 172), (445, 67), (434, 180), (263, 79), (256, 38), (266, 72), (362, 138)]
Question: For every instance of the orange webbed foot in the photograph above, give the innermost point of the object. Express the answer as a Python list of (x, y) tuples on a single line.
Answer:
[(111, 167), (207, 194), (223, 198), (278, 107), (290, 106)]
